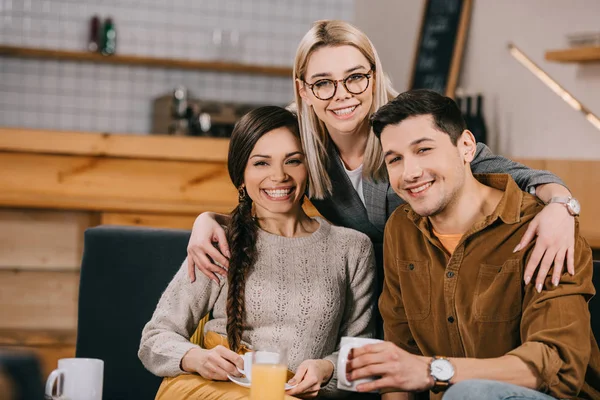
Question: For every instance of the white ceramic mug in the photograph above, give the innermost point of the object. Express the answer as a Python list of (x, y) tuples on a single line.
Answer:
[(76, 379), (347, 344), (266, 357)]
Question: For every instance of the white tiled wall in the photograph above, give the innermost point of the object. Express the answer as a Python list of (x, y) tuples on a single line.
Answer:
[(82, 96)]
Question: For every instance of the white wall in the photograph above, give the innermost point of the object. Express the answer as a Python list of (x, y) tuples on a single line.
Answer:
[(68, 95), (524, 117)]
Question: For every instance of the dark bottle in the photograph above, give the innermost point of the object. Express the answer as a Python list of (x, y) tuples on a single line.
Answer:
[(467, 112), (94, 34), (459, 103), (109, 38), (479, 127)]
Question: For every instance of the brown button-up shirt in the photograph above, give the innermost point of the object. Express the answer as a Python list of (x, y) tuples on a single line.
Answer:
[(473, 303)]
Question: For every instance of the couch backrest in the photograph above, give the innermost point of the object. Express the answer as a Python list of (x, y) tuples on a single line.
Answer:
[(124, 271)]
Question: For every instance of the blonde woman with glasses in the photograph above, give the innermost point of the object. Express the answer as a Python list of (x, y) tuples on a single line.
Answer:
[(339, 84)]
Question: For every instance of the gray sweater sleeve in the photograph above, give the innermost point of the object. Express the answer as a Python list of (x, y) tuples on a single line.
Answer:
[(165, 338), (358, 318), (486, 162)]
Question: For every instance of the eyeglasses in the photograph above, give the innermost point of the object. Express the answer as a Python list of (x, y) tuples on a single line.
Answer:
[(325, 89)]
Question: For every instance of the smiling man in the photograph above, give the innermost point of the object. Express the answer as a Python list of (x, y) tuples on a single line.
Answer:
[(457, 318)]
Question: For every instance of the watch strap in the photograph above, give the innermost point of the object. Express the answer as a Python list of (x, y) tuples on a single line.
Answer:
[(561, 200), (567, 202)]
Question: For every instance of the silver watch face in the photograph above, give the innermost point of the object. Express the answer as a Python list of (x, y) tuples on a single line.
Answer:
[(442, 370), (574, 206)]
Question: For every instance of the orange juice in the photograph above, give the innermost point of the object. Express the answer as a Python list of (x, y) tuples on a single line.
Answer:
[(268, 382)]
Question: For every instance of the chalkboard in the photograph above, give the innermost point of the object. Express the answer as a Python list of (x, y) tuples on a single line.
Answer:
[(440, 45)]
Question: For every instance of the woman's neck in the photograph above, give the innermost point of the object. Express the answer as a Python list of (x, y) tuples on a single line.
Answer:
[(296, 224), (351, 146)]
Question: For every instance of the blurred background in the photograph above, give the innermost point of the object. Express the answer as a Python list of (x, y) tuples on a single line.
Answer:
[(118, 112)]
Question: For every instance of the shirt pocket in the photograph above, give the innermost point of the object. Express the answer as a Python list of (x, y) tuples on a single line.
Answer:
[(498, 292), (415, 283)]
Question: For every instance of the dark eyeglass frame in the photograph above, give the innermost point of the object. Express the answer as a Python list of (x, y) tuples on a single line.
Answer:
[(367, 75)]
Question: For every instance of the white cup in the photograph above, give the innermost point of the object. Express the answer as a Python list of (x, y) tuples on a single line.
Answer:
[(77, 379), (347, 344), (263, 357)]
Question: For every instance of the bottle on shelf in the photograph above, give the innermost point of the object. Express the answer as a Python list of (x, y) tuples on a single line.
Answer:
[(109, 38), (467, 112), (458, 98), (93, 44), (479, 128)]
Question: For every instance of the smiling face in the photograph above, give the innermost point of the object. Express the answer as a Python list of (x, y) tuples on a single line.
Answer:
[(424, 167), (275, 176), (345, 112)]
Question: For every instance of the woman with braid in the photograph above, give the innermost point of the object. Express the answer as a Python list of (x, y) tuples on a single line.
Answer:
[(293, 280)]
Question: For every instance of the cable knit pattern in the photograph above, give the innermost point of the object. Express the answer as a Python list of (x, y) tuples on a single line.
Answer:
[(305, 293)]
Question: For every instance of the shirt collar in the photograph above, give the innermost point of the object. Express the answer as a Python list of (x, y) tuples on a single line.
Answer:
[(508, 209)]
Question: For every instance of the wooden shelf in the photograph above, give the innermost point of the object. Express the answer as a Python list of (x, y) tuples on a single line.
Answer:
[(574, 55), (93, 144), (121, 59)]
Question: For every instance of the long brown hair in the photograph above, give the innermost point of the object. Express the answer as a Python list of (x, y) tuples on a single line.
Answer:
[(242, 232)]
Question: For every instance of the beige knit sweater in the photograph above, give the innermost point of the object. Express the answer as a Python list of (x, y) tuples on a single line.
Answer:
[(305, 293)]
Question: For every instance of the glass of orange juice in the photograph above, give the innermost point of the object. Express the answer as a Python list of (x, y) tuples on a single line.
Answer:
[(269, 374)]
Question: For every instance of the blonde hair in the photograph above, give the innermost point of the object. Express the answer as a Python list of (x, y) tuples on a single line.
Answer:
[(315, 137)]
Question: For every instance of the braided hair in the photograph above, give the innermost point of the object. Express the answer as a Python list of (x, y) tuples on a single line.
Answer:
[(242, 231)]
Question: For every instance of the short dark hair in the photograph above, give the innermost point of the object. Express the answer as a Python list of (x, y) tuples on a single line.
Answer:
[(447, 117)]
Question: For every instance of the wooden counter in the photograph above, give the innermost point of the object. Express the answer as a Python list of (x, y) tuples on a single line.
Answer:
[(54, 185)]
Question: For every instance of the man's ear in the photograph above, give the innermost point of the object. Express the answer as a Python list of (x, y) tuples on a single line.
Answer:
[(467, 146)]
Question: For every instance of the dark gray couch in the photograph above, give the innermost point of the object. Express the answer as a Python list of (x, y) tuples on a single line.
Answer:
[(123, 273)]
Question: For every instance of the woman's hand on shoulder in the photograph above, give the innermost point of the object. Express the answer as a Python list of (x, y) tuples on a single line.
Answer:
[(202, 252), (310, 376), (214, 364), (554, 247)]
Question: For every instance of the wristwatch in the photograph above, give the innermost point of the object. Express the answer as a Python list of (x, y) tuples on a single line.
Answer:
[(573, 206), (441, 370)]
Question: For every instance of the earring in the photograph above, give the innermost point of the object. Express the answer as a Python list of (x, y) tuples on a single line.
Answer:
[(242, 193)]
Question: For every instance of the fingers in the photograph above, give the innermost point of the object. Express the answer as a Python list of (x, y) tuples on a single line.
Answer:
[(221, 239), (386, 382), (300, 372), (191, 268), (369, 368), (559, 264), (224, 361), (543, 269), (308, 381), (233, 358), (571, 259), (528, 236), (214, 372), (534, 260), (205, 265), (370, 348), (214, 253)]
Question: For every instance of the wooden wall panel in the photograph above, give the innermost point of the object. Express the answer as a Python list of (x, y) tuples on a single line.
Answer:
[(38, 300), (583, 179), (109, 184), (157, 147), (43, 239), (149, 220)]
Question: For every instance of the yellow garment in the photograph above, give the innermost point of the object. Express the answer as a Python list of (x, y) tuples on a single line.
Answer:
[(449, 241), (193, 386), (198, 336)]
